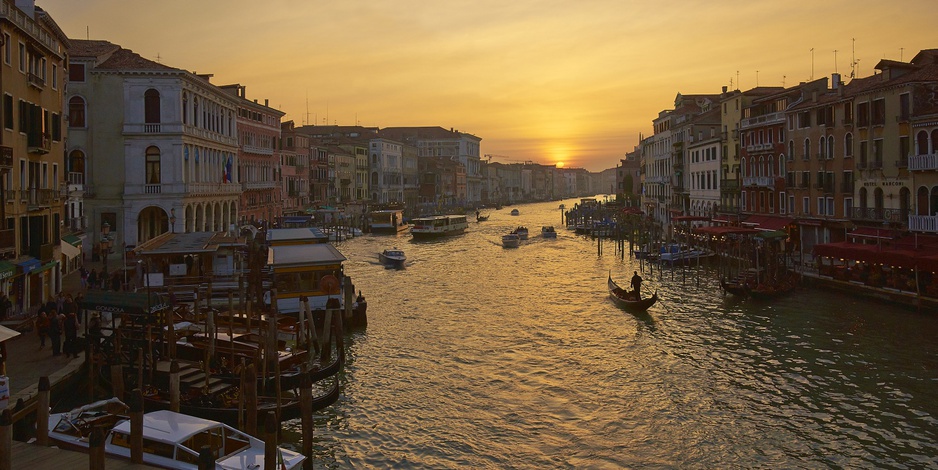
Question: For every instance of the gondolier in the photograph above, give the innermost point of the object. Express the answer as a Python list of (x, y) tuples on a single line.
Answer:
[(637, 285)]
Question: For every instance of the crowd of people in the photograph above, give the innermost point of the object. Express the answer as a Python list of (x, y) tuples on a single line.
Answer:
[(59, 320)]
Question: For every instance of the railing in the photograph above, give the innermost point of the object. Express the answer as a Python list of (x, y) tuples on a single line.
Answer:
[(77, 224), (152, 128), (35, 197), (257, 150), (923, 223), (761, 181), (923, 162), (153, 189), (260, 185), (771, 118), (879, 215), (212, 188), (36, 81), (76, 178), (38, 143)]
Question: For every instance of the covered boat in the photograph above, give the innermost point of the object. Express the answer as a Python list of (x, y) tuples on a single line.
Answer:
[(392, 258)]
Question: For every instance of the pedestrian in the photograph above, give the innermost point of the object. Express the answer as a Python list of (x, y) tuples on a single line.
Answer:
[(94, 330), (84, 277), (267, 300), (71, 335), (55, 333), (637, 285), (92, 278), (69, 306), (42, 328)]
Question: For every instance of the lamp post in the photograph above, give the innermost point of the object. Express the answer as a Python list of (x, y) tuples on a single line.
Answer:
[(172, 219), (105, 243)]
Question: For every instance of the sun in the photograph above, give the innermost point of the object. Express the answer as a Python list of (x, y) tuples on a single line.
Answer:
[(559, 165)]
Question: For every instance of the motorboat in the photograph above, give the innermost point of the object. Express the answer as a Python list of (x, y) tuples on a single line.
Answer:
[(170, 440), (522, 232), (392, 258), (511, 240), (548, 231), (515, 212)]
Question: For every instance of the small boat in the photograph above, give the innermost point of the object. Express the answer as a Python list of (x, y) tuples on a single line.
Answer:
[(392, 258), (482, 218), (548, 231), (515, 212), (512, 240), (628, 299), (171, 440), (522, 232)]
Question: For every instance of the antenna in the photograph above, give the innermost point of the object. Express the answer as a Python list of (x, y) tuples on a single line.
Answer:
[(900, 53), (87, 33), (307, 108), (731, 86), (737, 79), (783, 81), (812, 65), (853, 58), (835, 60), (757, 78)]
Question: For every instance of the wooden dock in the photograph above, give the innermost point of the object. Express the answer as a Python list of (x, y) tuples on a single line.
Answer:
[(36, 456)]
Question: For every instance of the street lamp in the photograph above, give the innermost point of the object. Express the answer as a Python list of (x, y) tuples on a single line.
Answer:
[(105, 243), (172, 219)]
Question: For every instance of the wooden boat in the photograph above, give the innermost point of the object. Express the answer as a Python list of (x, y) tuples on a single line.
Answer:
[(511, 240), (393, 258), (387, 221), (171, 440), (778, 289), (627, 299), (548, 231), (735, 288)]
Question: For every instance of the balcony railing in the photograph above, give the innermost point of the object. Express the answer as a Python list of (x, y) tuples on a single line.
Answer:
[(38, 143), (260, 185), (760, 181), (76, 178), (36, 81), (771, 118), (153, 189), (212, 188), (923, 162), (923, 223), (39, 198)]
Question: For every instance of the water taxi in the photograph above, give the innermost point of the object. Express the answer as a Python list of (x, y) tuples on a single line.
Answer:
[(392, 258), (522, 232), (511, 240), (438, 226), (548, 231)]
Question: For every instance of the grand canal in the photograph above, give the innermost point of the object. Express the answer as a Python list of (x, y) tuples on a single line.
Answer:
[(486, 357)]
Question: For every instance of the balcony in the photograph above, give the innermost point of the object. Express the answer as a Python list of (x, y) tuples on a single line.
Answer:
[(759, 181), (257, 150), (765, 119), (923, 223), (36, 81), (199, 189), (878, 215), (258, 185), (927, 162), (152, 128), (38, 143), (39, 198), (152, 189)]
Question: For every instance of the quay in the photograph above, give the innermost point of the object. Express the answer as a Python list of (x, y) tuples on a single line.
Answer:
[(35, 456)]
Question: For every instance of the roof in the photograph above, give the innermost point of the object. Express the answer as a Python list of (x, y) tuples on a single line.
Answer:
[(168, 426), (317, 254), (91, 48), (125, 59), (294, 234), (186, 243)]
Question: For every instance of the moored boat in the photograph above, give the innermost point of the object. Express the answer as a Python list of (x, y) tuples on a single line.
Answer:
[(674, 253), (387, 221), (393, 258), (438, 226), (628, 299), (171, 440), (548, 231), (511, 240)]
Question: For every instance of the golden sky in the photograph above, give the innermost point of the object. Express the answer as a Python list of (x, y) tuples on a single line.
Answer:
[(573, 81)]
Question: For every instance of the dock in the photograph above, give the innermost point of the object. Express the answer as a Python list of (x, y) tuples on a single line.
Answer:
[(36, 456)]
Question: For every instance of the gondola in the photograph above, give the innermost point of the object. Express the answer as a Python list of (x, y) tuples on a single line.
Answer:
[(735, 288), (627, 299)]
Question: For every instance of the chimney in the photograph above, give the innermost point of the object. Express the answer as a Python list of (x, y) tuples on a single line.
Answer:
[(28, 7), (265, 101), (835, 80), (724, 91)]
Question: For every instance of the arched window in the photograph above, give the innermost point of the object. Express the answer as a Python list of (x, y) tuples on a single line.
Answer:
[(151, 106), (761, 167), (921, 201), (76, 167), (807, 150), (781, 166), (878, 203), (195, 111), (821, 146), (848, 145), (153, 165), (770, 169), (791, 149), (830, 147), (76, 112), (185, 108)]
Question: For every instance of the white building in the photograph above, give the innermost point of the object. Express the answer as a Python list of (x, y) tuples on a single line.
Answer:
[(387, 170)]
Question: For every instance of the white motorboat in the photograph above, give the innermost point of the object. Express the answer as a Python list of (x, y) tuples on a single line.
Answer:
[(548, 231), (393, 258), (170, 440), (512, 240), (674, 253)]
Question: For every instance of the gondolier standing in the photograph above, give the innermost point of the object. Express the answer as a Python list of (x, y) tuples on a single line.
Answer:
[(637, 285)]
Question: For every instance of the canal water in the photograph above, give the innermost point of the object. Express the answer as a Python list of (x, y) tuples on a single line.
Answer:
[(480, 356)]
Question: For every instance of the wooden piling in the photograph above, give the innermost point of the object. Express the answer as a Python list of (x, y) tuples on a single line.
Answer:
[(42, 412), (250, 393), (325, 353), (140, 368), (6, 440), (174, 393), (306, 417), (270, 441), (96, 448), (136, 426), (206, 459)]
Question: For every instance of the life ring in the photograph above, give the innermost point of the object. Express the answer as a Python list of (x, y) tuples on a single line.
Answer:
[(329, 284)]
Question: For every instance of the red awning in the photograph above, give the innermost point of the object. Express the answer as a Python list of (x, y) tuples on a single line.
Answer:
[(811, 222), (767, 222), (922, 259), (873, 232)]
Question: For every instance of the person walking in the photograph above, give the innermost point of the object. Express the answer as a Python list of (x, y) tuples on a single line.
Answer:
[(55, 333), (84, 277), (71, 335), (92, 278), (42, 328), (637, 285)]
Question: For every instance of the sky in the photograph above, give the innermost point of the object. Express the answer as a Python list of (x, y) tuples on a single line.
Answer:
[(568, 82)]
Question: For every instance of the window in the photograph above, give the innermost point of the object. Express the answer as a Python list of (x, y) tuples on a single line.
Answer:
[(863, 114), (151, 106), (791, 149), (76, 72), (8, 112), (864, 153), (7, 49), (791, 203), (904, 150), (55, 77), (848, 113), (904, 107), (830, 147), (806, 205), (807, 150), (848, 145), (878, 153), (56, 127), (185, 108), (830, 206), (781, 203), (878, 117), (76, 112), (848, 206), (820, 206), (22, 58), (153, 165)]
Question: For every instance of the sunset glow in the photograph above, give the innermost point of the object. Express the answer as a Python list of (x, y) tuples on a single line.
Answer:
[(515, 74)]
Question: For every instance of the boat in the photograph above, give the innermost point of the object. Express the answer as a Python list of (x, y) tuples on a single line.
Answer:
[(171, 440), (482, 218), (548, 231), (628, 299), (766, 291), (522, 232), (735, 288), (674, 253), (387, 221), (515, 212), (438, 226), (512, 240), (392, 258)]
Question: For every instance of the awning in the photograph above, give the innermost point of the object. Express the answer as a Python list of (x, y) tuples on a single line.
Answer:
[(6, 333), (124, 302), (70, 250), (7, 269), (874, 233), (72, 240), (28, 264), (767, 222), (720, 230), (773, 235)]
